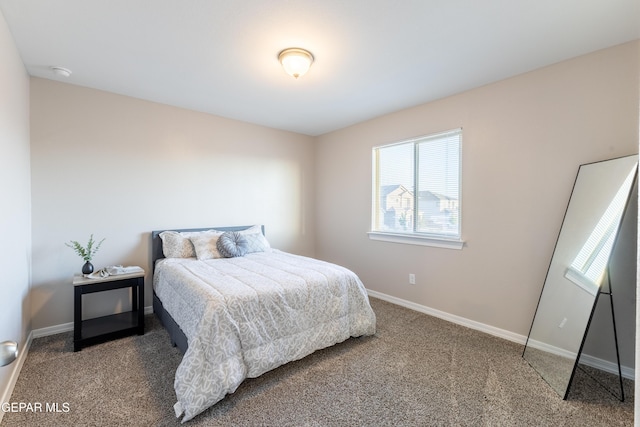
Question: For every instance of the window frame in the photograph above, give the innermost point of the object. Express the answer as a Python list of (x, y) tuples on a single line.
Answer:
[(414, 237)]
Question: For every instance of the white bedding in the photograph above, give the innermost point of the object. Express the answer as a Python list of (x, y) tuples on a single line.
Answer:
[(245, 316)]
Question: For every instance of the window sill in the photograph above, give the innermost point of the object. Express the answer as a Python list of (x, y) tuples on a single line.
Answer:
[(416, 239)]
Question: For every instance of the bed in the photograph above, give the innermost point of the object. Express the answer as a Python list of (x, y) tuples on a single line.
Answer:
[(237, 315)]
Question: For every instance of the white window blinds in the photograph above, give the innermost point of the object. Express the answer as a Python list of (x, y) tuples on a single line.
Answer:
[(416, 186)]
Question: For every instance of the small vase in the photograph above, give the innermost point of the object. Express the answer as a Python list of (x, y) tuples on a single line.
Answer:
[(87, 268)]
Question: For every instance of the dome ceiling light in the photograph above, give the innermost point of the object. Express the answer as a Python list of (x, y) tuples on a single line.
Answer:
[(295, 61)]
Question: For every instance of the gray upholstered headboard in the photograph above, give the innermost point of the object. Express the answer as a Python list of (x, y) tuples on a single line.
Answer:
[(156, 241)]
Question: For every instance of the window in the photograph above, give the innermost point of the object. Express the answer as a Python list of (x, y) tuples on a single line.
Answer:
[(416, 190)]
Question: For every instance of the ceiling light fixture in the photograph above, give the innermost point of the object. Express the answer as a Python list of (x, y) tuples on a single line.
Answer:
[(61, 72), (295, 61)]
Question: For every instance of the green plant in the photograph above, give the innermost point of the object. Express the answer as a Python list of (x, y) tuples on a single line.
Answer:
[(86, 253)]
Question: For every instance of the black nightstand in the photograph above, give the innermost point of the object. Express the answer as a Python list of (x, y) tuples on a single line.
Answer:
[(105, 328)]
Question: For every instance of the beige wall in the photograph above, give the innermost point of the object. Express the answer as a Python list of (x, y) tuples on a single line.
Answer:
[(119, 168), (523, 140), (15, 213)]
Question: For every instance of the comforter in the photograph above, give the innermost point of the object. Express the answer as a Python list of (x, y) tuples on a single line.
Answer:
[(245, 316)]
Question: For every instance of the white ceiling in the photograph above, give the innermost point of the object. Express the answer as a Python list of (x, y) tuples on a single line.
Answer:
[(372, 57)]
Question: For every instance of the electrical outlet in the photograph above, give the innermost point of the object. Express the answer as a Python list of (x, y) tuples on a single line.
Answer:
[(412, 279)]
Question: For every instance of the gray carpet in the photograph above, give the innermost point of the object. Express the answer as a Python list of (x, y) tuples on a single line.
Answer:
[(416, 371)]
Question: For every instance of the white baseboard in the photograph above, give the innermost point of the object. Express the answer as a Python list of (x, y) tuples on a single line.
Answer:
[(472, 324), (603, 365), (16, 367), (52, 330), (586, 359)]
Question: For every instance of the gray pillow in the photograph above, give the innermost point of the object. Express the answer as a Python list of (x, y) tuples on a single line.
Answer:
[(232, 244)]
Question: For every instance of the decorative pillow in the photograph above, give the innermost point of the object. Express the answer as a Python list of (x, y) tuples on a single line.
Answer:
[(205, 244), (256, 242), (177, 245), (232, 244)]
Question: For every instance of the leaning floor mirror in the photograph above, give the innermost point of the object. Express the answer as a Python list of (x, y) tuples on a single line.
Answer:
[(578, 272)]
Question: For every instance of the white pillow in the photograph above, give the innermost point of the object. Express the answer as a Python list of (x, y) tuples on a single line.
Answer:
[(256, 242), (205, 244), (177, 245)]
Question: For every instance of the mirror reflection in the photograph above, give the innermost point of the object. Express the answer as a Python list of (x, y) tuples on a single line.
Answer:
[(589, 266), (578, 268)]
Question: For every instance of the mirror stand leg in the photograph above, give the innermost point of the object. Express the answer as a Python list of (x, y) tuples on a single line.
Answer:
[(615, 337)]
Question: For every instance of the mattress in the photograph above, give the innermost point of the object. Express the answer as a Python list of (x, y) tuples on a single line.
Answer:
[(245, 316)]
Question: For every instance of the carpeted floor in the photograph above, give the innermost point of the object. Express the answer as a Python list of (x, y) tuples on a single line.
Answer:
[(416, 371)]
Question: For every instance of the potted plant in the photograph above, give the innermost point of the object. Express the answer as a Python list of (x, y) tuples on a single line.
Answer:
[(86, 252)]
